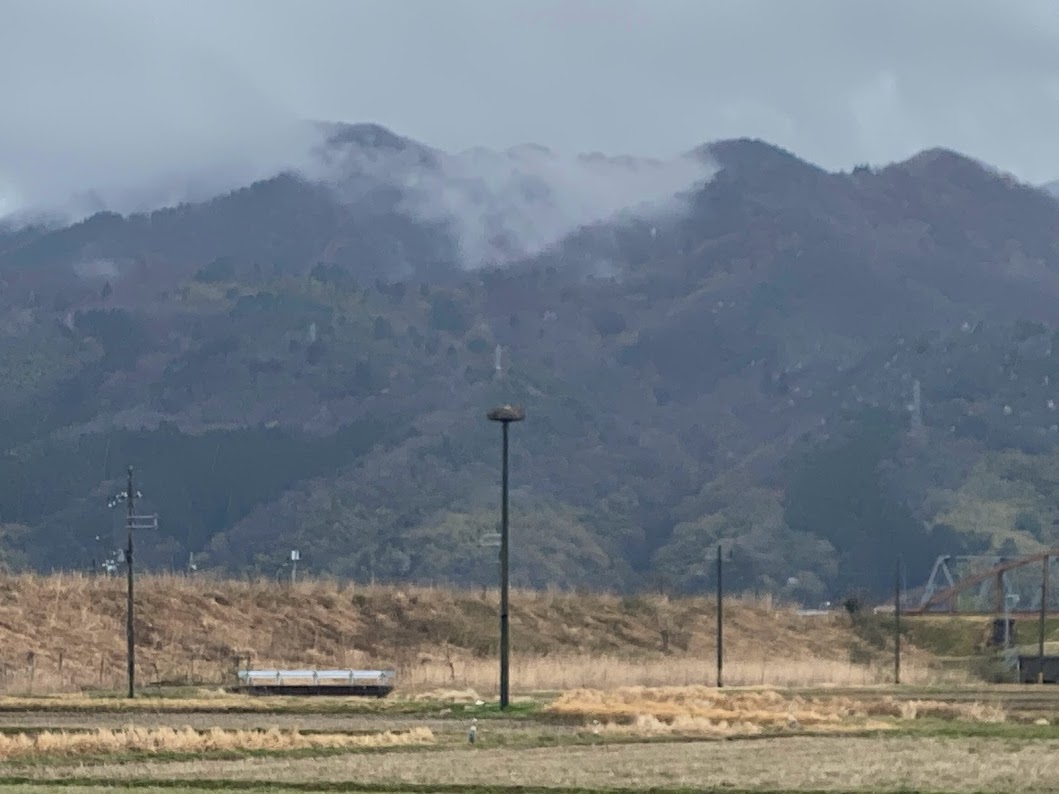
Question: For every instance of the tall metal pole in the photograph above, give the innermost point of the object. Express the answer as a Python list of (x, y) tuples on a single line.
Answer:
[(504, 681), (1044, 607), (130, 634), (897, 623), (505, 414), (720, 619)]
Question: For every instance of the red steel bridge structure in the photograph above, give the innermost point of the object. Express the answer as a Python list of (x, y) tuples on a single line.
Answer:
[(989, 585)]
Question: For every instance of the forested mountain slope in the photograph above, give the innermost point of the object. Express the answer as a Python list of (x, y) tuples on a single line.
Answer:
[(307, 362)]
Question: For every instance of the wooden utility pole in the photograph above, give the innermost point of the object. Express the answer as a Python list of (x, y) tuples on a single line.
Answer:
[(1044, 609), (720, 618), (132, 522), (897, 622), (130, 626)]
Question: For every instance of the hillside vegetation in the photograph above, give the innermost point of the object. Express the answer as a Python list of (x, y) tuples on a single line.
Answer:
[(291, 368), (65, 632)]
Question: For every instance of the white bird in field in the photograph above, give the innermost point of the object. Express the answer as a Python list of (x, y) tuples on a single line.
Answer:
[(472, 734), (595, 727)]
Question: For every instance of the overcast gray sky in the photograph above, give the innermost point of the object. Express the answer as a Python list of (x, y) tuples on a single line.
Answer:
[(127, 90)]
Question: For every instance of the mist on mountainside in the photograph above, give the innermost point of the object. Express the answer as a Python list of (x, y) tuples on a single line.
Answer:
[(144, 123), (504, 206), (499, 206)]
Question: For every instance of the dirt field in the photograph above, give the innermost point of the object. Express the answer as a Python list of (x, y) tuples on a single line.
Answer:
[(794, 763), (673, 739)]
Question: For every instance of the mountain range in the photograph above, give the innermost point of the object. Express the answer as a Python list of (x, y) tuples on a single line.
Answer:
[(815, 370)]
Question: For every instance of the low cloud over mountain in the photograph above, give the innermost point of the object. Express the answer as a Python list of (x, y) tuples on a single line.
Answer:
[(507, 205)]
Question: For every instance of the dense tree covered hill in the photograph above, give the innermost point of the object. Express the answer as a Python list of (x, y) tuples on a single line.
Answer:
[(290, 368)]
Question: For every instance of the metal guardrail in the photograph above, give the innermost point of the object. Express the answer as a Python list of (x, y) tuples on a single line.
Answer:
[(316, 677), (369, 683)]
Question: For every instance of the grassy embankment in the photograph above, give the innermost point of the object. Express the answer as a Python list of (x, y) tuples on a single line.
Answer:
[(65, 633)]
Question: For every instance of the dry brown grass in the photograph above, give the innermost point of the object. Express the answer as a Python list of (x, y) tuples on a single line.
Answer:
[(703, 710), (561, 672), (29, 721), (65, 632), (135, 739), (77, 702), (814, 763), (645, 725)]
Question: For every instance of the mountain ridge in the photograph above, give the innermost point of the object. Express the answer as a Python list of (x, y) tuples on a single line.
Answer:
[(289, 370)]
